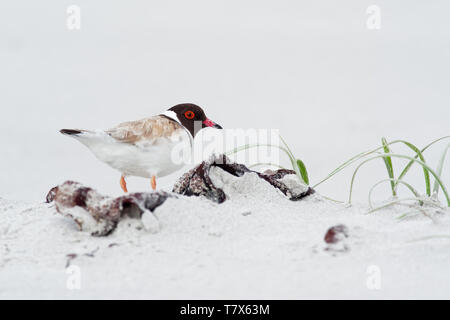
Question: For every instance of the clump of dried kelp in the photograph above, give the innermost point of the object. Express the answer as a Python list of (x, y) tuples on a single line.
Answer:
[(97, 213), (198, 181)]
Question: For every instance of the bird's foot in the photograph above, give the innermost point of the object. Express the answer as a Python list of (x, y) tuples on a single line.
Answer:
[(153, 181), (123, 184)]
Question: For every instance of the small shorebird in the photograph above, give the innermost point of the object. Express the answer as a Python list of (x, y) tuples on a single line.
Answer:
[(143, 148)]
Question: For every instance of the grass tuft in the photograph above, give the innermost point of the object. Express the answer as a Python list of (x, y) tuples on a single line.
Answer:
[(424, 165), (385, 152)]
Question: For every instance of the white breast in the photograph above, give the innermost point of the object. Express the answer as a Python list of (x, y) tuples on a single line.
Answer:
[(158, 157)]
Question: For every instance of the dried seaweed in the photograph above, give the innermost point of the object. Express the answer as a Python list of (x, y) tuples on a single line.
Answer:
[(198, 182), (105, 211)]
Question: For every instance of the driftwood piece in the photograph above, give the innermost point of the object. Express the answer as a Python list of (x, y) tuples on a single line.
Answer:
[(97, 213), (198, 182)]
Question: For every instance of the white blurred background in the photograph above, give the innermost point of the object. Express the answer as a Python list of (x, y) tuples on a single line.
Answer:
[(311, 69)]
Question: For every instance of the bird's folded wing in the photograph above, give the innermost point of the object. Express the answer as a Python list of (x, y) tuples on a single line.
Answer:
[(148, 130)]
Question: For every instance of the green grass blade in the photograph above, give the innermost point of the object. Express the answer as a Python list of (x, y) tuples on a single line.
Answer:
[(369, 152), (299, 169), (408, 166), (425, 171), (388, 163), (291, 157), (408, 214), (439, 169), (353, 160), (331, 199), (391, 203), (346, 164), (444, 190), (303, 172), (410, 187), (266, 164), (285, 149), (399, 201), (256, 145)]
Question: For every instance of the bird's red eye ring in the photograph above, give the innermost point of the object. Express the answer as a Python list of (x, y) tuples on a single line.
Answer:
[(189, 115)]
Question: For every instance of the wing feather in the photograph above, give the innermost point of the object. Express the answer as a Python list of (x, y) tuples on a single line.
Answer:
[(144, 130)]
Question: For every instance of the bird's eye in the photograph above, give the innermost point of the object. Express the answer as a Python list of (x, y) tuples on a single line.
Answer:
[(189, 115)]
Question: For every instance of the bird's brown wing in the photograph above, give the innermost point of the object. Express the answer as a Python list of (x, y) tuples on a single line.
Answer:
[(147, 129)]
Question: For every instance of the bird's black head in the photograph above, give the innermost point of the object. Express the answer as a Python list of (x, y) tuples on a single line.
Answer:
[(192, 117)]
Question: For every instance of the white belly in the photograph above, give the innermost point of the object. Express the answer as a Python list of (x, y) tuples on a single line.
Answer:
[(157, 158)]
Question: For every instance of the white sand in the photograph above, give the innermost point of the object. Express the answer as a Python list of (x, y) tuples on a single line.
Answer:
[(257, 244), (313, 70)]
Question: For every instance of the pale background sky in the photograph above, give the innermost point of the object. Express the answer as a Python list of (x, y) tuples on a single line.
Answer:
[(309, 68)]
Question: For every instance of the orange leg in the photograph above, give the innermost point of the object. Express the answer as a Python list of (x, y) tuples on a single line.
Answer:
[(123, 184), (153, 182)]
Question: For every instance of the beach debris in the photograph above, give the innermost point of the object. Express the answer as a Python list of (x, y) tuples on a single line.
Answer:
[(336, 233), (197, 181), (100, 214), (335, 238)]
